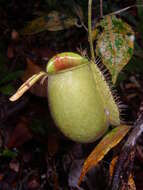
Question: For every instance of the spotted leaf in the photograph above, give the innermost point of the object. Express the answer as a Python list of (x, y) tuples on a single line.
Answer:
[(115, 44)]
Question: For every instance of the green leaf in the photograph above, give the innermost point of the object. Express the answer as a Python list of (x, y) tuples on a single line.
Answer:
[(7, 89), (11, 76), (8, 153)]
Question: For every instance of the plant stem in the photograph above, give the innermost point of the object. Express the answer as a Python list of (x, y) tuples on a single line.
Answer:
[(90, 30)]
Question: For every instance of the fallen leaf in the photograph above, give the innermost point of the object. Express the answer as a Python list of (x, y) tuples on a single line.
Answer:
[(14, 165), (53, 21), (105, 145), (20, 134)]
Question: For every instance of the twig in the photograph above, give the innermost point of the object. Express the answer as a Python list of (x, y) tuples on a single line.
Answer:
[(101, 9), (125, 9), (90, 30), (126, 158)]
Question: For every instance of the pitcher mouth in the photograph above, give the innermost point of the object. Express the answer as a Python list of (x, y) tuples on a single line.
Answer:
[(85, 62)]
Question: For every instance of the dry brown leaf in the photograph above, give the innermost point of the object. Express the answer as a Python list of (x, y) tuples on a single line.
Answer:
[(105, 145), (131, 183), (20, 134), (31, 69), (112, 166), (53, 21)]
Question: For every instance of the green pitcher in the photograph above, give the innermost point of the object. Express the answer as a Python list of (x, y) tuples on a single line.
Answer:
[(73, 97)]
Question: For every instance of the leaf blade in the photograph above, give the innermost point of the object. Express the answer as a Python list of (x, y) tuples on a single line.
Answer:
[(115, 44), (106, 144)]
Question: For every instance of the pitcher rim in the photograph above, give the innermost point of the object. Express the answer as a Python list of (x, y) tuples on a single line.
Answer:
[(70, 69)]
